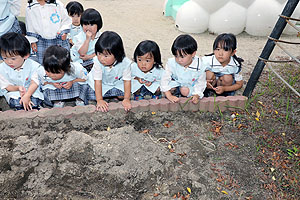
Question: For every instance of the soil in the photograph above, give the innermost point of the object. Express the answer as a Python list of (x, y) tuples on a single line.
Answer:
[(128, 156)]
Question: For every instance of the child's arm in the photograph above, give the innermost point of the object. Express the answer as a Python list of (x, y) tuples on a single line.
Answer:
[(127, 88), (199, 88), (234, 87), (101, 104), (25, 99), (15, 6), (164, 85), (85, 46)]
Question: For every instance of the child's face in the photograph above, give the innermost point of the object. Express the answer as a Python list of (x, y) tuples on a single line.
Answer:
[(184, 59), (54, 76), (90, 27), (106, 59), (145, 62), (223, 56), (14, 61), (76, 20)]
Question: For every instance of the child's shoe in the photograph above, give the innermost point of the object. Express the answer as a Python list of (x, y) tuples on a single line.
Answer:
[(79, 102), (59, 104), (156, 96), (138, 97)]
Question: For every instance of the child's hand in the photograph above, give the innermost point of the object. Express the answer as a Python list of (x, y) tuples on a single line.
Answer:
[(27, 103), (209, 84), (126, 104), (67, 85), (64, 36), (57, 85), (148, 83), (173, 98), (195, 99), (88, 35), (219, 89), (85, 57), (22, 90), (34, 47), (102, 106)]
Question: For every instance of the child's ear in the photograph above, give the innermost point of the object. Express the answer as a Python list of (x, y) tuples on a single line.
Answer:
[(27, 56), (193, 54), (233, 52)]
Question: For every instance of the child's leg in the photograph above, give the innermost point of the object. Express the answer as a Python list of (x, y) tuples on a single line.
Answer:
[(15, 103), (185, 91), (225, 80), (211, 78)]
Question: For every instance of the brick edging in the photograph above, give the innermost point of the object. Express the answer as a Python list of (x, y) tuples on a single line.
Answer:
[(210, 104)]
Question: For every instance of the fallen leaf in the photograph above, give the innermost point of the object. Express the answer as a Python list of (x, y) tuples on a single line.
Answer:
[(146, 131), (153, 113), (108, 128), (168, 124), (257, 114), (273, 178), (189, 190), (276, 112), (272, 169), (155, 195), (224, 192), (257, 119)]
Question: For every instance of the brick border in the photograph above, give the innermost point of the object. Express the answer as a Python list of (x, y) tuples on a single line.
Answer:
[(207, 104)]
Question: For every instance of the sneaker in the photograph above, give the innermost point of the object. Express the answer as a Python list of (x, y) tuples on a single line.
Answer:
[(79, 102), (156, 96), (138, 97), (59, 104)]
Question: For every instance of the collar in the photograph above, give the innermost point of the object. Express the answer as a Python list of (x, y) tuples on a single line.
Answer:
[(195, 63), (215, 62)]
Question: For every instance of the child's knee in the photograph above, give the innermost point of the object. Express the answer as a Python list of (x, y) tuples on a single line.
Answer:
[(210, 75), (226, 80), (184, 91)]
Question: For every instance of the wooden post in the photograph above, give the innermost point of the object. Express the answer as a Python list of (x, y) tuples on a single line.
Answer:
[(266, 52)]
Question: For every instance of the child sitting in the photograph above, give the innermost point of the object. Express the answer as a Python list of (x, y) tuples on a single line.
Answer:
[(146, 70), (48, 22), (110, 76), (17, 69), (184, 74), (83, 50), (59, 79), (75, 10), (223, 66)]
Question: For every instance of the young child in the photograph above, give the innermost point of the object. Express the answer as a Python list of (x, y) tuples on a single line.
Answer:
[(59, 79), (48, 22), (223, 66), (9, 9), (184, 75), (75, 10), (17, 69), (110, 76), (146, 70), (83, 50)]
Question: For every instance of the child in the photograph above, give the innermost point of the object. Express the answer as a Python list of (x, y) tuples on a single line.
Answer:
[(146, 70), (110, 76), (59, 79), (223, 66), (9, 9), (48, 22), (17, 69), (75, 10), (83, 50), (184, 74)]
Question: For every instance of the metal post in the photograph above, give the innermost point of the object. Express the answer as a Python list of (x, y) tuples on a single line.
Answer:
[(266, 52)]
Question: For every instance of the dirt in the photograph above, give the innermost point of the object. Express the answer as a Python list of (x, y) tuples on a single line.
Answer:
[(128, 156)]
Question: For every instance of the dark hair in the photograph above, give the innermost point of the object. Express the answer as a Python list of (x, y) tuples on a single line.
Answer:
[(23, 27), (227, 41), (14, 44), (112, 43), (184, 44), (57, 59), (91, 16), (49, 1), (74, 8), (148, 46)]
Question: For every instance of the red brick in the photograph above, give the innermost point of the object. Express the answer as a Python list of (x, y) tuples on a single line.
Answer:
[(143, 105), (221, 103), (153, 105), (203, 104), (193, 107), (232, 102), (164, 104), (116, 107), (241, 101), (184, 103), (212, 105), (135, 106)]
